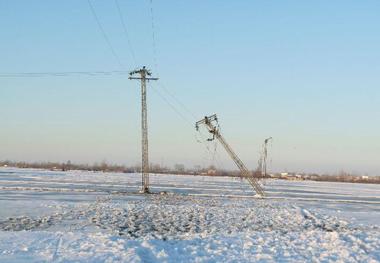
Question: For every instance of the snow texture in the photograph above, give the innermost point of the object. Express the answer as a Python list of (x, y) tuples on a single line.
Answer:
[(100, 217)]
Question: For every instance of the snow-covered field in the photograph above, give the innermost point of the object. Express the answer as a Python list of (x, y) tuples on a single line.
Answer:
[(99, 217)]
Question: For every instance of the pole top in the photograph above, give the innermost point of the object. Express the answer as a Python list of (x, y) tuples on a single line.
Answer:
[(142, 70), (143, 73)]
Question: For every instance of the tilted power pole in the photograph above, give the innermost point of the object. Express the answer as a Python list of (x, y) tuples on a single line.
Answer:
[(211, 122), (144, 76)]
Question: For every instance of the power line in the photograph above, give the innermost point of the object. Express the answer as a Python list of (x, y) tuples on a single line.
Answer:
[(104, 34), (125, 31), (153, 36), (188, 122), (177, 101), (202, 140), (61, 74), (183, 117)]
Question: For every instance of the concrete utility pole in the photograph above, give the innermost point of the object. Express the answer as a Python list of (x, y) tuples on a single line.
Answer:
[(144, 126)]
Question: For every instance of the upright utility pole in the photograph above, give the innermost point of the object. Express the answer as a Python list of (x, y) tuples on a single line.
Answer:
[(265, 152), (144, 126)]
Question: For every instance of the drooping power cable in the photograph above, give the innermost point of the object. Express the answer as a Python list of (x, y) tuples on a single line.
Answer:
[(103, 32), (122, 20)]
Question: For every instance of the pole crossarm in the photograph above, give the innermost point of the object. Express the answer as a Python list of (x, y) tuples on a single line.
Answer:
[(143, 72), (211, 122), (142, 78)]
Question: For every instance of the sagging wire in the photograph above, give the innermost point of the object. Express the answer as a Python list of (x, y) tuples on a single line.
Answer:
[(125, 30), (171, 94), (153, 36), (202, 139), (104, 34)]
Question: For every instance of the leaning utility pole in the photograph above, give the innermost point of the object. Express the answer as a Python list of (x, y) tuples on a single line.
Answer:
[(144, 126), (211, 122)]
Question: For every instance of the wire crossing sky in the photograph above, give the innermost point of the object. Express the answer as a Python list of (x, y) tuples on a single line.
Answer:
[(305, 73)]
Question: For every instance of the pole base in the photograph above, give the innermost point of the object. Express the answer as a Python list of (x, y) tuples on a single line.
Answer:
[(144, 191)]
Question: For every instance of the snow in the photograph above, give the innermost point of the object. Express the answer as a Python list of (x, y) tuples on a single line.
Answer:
[(100, 217)]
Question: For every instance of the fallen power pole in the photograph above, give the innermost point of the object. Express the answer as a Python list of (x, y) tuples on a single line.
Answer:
[(211, 122), (144, 76)]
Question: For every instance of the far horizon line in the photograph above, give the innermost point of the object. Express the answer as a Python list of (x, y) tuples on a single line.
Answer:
[(156, 167)]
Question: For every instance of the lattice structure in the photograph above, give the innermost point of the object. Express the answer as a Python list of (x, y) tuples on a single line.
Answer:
[(144, 76), (211, 122)]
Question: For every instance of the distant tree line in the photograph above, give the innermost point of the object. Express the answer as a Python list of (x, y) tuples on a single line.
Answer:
[(196, 170), (107, 167)]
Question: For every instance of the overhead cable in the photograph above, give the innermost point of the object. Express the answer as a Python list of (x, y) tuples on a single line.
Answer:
[(103, 32), (122, 20), (153, 36), (61, 74)]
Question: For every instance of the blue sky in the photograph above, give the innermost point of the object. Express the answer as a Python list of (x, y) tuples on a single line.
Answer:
[(304, 72)]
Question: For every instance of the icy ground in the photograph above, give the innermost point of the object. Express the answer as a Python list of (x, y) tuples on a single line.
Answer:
[(100, 217)]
